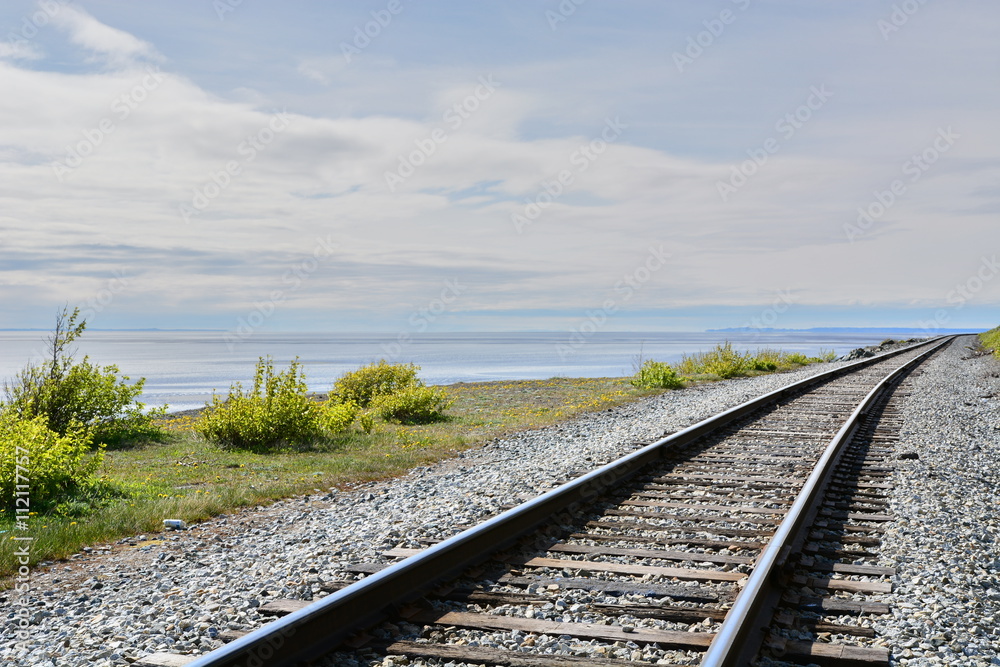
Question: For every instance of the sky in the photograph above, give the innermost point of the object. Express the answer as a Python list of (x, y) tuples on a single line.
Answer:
[(572, 165)]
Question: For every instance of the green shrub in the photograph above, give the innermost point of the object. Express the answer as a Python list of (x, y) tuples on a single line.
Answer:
[(797, 358), (337, 417), (412, 405), (766, 360), (367, 422), (379, 379), (656, 375), (276, 412), (721, 361), (726, 362), (826, 356), (69, 394), (50, 464)]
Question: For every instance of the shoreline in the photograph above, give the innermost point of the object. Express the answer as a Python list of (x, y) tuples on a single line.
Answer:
[(196, 365), (322, 396)]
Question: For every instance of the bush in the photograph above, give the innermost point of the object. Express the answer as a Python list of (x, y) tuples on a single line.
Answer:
[(367, 422), (826, 356), (412, 405), (337, 417), (722, 361), (276, 412), (52, 465), (797, 358), (374, 380), (766, 360), (656, 375), (69, 395), (726, 362)]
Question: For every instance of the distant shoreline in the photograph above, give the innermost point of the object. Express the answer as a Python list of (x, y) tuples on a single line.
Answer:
[(844, 330)]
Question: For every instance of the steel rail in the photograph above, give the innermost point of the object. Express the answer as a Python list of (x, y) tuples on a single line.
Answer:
[(742, 632), (327, 623)]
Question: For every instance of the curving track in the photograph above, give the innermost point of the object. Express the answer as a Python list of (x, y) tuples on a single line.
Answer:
[(680, 552)]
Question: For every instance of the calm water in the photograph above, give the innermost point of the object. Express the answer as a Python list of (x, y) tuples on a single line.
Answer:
[(183, 368)]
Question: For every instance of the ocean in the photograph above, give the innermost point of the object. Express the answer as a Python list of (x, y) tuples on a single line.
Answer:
[(183, 368)]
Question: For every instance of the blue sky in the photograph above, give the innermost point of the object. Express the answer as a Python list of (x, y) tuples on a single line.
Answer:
[(409, 166)]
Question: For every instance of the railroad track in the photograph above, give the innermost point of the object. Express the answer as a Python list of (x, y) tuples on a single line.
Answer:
[(748, 534)]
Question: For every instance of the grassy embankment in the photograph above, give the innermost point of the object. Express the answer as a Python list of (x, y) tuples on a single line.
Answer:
[(991, 340), (183, 476)]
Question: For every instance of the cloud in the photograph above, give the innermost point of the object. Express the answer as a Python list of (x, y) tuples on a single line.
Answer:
[(20, 50), (113, 46), (138, 145)]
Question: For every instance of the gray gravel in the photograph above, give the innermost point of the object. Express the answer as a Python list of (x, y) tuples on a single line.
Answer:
[(946, 540), (178, 594)]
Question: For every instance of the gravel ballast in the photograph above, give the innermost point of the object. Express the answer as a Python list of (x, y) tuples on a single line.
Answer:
[(945, 541), (177, 591)]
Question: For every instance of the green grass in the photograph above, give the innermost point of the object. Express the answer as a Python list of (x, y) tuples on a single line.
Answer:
[(723, 362), (991, 340), (184, 477)]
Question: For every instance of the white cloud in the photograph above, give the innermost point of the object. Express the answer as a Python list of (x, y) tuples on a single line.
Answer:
[(20, 50), (116, 47), (164, 145)]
